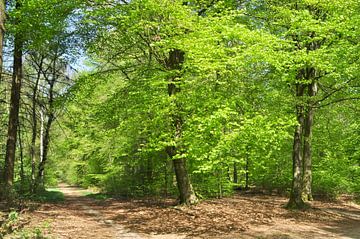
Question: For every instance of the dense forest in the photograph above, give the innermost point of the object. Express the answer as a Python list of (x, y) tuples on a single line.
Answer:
[(182, 99)]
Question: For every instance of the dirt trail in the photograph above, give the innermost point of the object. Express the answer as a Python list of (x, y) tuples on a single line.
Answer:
[(240, 216), (83, 217)]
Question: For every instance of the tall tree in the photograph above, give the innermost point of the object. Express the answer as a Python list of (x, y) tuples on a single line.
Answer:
[(56, 73), (187, 194), (317, 33), (37, 60), (14, 103), (2, 32)]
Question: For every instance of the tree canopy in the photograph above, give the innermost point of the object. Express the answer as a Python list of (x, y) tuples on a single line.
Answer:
[(190, 99)]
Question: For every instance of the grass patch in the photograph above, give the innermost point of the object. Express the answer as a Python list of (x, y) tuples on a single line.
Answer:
[(50, 195), (97, 196)]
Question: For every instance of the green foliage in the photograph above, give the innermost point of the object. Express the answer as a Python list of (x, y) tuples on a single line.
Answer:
[(98, 196), (236, 94), (236, 100), (35, 233), (10, 224), (52, 195)]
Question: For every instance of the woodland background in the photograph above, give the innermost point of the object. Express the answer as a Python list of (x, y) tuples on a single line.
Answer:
[(187, 99)]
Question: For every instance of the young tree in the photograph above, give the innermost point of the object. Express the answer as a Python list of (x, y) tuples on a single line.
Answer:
[(56, 73)]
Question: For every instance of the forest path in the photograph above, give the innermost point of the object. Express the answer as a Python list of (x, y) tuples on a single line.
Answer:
[(241, 216), (83, 217)]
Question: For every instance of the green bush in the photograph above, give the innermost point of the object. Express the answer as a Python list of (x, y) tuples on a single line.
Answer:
[(330, 185)]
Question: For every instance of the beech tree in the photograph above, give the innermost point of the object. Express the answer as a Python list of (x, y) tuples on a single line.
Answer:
[(317, 33)]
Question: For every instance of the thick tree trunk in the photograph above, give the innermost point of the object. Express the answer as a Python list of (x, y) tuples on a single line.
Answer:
[(296, 200), (14, 110), (307, 178), (187, 195), (186, 192)]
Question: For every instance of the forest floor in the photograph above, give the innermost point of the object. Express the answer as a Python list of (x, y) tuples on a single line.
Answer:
[(240, 216)]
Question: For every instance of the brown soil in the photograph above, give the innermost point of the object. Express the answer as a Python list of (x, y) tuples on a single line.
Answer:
[(240, 216)]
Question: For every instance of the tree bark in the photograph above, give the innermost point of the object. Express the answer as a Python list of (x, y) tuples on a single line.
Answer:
[(2, 36), (247, 170), (296, 200), (47, 127), (45, 148), (14, 109), (34, 126), (22, 170), (2, 33), (186, 192), (235, 174), (40, 175), (308, 124), (187, 195)]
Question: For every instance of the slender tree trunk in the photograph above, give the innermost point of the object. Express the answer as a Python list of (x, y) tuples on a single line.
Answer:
[(235, 179), (2, 36), (308, 124), (166, 179), (149, 170), (14, 110), (38, 180), (34, 127), (50, 120), (46, 142), (220, 184), (296, 200), (247, 171), (46, 130), (2, 33), (22, 171), (187, 194)]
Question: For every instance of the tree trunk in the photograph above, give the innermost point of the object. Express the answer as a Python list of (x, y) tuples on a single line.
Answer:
[(307, 178), (296, 200), (247, 171), (50, 113), (34, 127), (14, 110), (22, 171), (38, 180), (166, 179), (186, 192), (45, 148), (235, 179), (50, 119), (2, 33), (149, 170), (187, 195), (3, 93)]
